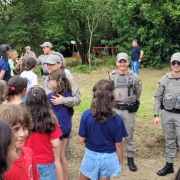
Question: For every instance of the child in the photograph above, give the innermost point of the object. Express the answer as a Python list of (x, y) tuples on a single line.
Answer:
[(2, 91), (29, 74), (7, 148), (16, 90), (45, 135), (61, 86), (102, 131), (16, 64), (24, 167), (4, 65)]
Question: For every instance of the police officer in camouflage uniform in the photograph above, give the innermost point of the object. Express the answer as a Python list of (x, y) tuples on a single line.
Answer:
[(167, 97), (127, 93)]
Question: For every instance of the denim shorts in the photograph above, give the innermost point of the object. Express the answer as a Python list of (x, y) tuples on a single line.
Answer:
[(100, 165), (47, 171)]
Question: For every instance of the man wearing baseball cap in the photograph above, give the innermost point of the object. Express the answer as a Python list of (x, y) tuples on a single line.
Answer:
[(29, 53), (127, 93), (167, 99)]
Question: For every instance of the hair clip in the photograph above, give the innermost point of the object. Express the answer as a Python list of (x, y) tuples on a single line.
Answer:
[(13, 88), (60, 79)]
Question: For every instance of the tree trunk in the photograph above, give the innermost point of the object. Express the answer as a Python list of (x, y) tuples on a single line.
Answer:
[(82, 47)]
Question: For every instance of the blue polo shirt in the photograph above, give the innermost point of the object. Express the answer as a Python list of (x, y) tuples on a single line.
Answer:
[(135, 53), (101, 137), (62, 113), (4, 65)]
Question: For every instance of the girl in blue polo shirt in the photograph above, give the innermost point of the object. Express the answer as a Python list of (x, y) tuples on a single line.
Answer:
[(102, 131), (61, 87), (4, 65)]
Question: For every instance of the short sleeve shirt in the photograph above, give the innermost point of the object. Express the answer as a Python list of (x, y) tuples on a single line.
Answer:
[(11, 64), (101, 137), (41, 145), (135, 53), (32, 78), (4, 65)]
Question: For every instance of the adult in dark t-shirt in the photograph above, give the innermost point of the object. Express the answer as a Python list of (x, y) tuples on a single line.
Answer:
[(136, 56)]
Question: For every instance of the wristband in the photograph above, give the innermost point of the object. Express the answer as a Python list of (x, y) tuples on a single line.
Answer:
[(156, 115), (140, 58)]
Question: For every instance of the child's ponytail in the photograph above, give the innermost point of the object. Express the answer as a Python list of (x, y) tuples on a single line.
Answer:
[(15, 86)]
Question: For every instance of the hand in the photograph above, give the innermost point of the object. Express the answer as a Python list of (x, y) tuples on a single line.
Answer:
[(139, 60), (157, 121), (56, 100), (22, 57)]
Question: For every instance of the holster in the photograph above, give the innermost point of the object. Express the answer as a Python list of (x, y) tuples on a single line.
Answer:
[(134, 106)]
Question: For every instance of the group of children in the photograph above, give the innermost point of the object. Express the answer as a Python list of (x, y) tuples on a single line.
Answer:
[(41, 129)]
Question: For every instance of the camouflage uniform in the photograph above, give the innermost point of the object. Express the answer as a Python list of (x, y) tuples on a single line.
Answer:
[(127, 91)]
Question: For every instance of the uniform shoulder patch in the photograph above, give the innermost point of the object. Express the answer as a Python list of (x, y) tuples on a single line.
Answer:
[(158, 85)]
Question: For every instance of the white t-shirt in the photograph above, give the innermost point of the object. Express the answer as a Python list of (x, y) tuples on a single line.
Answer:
[(32, 78)]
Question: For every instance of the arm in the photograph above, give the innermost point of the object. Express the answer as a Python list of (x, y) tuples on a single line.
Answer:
[(158, 100), (33, 55), (18, 64), (38, 60), (138, 86), (2, 73), (55, 143), (81, 139), (69, 101), (59, 171), (119, 149), (141, 55)]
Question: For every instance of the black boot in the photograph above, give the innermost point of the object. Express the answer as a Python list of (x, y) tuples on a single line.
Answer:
[(131, 164), (168, 168)]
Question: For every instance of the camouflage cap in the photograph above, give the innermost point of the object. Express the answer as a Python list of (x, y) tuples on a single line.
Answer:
[(27, 47), (53, 59), (122, 56), (175, 56)]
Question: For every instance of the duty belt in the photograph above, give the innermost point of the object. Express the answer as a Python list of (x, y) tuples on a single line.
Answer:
[(45, 73), (121, 106), (173, 111)]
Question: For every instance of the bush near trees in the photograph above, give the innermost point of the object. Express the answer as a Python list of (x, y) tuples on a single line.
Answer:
[(155, 24)]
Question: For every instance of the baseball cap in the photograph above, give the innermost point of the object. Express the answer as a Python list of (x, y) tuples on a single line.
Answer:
[(122, 56), (27, 47), (47, 44), (53, 59), (175, 56)]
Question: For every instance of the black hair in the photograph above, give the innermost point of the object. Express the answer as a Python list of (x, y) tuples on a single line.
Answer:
[(103, 101), (42, 115), (15, 85), (4, 48), (30, 63), (5, 141)]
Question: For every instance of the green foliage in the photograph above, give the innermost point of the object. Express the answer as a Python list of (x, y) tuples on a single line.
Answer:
[(155, 24), (111, 61), (83, 69)]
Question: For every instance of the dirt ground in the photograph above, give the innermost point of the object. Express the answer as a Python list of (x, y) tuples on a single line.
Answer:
[(150, 148)]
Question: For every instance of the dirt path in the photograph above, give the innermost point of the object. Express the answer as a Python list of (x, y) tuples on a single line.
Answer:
[(149, 140)]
